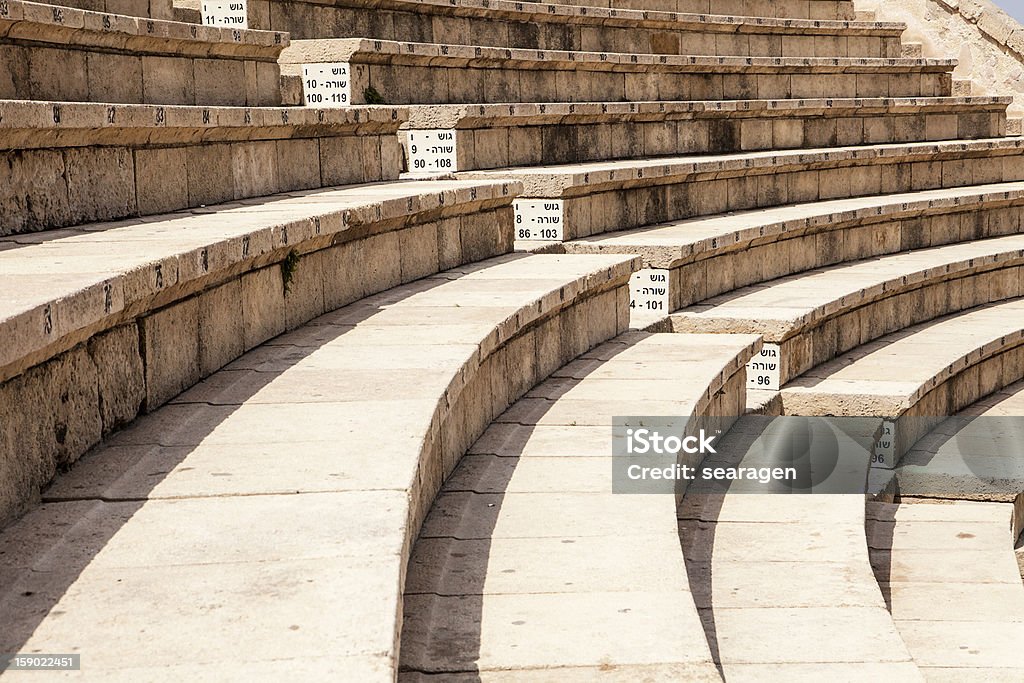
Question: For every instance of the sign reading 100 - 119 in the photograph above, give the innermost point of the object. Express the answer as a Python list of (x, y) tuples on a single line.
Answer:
[(326, 84)]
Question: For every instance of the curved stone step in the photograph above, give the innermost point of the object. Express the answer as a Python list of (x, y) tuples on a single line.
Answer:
[(784, 582), (709, 256), (103, 321), (951, 581), (271, 508), (503, 23), (821, 313), (499, 135), (529, 561), (973, 455), (428, 73), (794, 9), (72, 163), (917, 376), (67, 54), (617, 195)]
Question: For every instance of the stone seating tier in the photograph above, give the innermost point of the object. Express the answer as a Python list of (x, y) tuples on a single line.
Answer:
[(150, 9), (122, 317), (603, 196), (988, 471), (819, 314), (794, 9), (709, 256), (504, 23), (416, 373), (944, 366), (428, 73), (499, 135), (55, 53), (71, 163)]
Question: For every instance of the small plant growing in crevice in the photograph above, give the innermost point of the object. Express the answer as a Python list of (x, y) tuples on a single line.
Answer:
[(288, 267), (372, 96)]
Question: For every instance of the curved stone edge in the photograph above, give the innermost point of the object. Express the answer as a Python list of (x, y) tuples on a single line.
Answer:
[(97, 355), (977, 372), (853, 318)]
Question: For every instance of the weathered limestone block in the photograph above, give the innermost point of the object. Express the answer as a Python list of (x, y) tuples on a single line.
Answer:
[(170, 348), (221, 338), (120, 375), (263, 306), (49, 416)]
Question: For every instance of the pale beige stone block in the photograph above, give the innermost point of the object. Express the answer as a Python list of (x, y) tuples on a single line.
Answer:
[(170, 347)]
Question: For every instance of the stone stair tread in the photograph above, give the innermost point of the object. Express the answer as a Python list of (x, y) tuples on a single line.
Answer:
[(971, 621), (823, 605), (172, 245), (779, 307), (936, 348), (489, 546), (663, 245)]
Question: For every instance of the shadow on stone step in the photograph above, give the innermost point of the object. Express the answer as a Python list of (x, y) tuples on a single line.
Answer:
[(879, 528), (43, 553), (451, 561)]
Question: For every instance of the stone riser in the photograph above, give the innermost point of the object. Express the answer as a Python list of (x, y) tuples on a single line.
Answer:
[(65, 54), (53, 188), (793, 9), (598, 211), (153, 9), (140, 358), (611, 137), (835, 240), (442, 84), (898, 307), (502, 26), (82, 75)]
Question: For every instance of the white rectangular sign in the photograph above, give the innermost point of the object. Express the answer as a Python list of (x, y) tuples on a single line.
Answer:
[(885, 448), (327, 84), (432, 151), (648, 291), (763, 369), (233, 14), (539, 219)]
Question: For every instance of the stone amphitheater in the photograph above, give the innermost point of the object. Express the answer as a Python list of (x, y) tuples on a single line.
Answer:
[(318, 315)]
